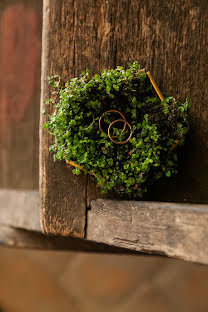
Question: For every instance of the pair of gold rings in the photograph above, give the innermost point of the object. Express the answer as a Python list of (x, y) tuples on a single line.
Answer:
[(126, 123)]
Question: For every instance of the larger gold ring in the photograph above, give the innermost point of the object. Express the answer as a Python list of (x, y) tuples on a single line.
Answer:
[(112, 111), (126, 123)]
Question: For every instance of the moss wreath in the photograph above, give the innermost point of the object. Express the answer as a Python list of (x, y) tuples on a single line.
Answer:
[(118, 127)]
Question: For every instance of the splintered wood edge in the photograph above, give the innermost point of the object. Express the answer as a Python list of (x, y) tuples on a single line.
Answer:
[(174, 230)]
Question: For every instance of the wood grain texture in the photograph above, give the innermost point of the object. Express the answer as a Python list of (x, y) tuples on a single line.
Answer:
[(174, 230), (20, 209), (168, 229), (63, 194), (20, 40), (167, 38)]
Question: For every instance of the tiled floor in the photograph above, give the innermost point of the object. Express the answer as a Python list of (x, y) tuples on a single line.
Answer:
[(63, 281)]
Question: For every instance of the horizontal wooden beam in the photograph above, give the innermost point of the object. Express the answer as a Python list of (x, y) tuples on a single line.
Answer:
[(174, 230), (20, 209)]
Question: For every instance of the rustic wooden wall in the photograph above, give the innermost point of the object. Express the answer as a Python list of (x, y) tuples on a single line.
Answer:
[(167, 38), (170, 39), (20, 50)]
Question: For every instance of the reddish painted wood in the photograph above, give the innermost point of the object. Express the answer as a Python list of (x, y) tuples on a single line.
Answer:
[(20, 50), (20, 44)]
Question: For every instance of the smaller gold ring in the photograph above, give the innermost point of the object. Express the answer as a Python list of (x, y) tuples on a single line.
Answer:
[(126, 123)]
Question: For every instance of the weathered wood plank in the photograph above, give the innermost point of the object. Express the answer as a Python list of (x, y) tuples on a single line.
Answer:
[(20, 46), (63, 195), (20, 209), (174, 230)]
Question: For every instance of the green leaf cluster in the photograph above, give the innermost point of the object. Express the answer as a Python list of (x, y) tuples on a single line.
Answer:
[(131, 167)]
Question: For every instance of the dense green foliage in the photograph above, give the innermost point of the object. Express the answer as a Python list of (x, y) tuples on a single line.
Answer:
[(156, 125)]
